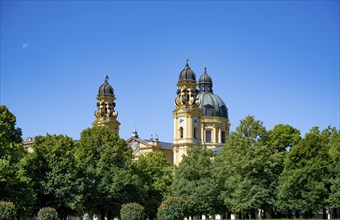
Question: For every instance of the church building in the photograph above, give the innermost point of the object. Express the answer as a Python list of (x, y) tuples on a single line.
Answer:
[(200, 118)]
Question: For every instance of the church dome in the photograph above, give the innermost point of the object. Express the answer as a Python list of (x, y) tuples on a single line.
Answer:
[(212, 105), (205, 82), (205, 78), (106, 88), (187, 73)]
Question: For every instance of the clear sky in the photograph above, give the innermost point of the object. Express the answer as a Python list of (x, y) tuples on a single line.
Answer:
[(276, 60)]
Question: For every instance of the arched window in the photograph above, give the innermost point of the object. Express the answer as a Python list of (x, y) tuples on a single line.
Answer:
[(223, 136), (208, 136), (181, 132), (224, 111)]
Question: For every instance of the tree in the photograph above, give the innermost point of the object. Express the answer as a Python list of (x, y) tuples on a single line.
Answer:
[(8, 132), (156, 176), (194, 182), (280, 140), (52, 168), (334, 154), (283, 137), (14, 186), (305, 181), (108, 178), (245, 169)]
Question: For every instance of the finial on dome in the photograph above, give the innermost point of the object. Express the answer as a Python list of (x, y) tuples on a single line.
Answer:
[(187, 61), (205, 69), (134, 133), (106, 78)]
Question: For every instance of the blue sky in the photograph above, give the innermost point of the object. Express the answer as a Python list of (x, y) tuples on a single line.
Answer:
[(276, 60)]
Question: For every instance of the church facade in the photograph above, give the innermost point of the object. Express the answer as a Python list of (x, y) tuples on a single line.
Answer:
[(200, 118)]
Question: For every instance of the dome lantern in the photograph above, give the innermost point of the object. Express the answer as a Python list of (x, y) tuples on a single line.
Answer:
[(205, 82)]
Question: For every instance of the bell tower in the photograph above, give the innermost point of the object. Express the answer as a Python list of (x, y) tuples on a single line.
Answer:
[(187, 115), (105, 114)]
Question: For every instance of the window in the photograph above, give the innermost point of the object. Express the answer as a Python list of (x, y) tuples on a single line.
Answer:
[(180, 132), (224, 112), (208, 136), (209, 110), (195, 131), (223, 136)]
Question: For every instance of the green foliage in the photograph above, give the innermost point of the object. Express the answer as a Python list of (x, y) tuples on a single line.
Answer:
[(132, 211), (156, 176), (8, 132), (280, 140), (157, 171), (283, 137), (14, 186), (7, 211), (334, 154), (11, 148), (244, 169), (305, 181), (194, 182), (108, 179), (47, 213), (52, 166), (251, 130), (173, 208)]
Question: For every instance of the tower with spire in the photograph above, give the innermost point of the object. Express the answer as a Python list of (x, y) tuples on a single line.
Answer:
[(187, 115), (106, 114)]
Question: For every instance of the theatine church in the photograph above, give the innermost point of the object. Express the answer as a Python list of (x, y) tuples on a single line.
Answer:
[(200, 118)]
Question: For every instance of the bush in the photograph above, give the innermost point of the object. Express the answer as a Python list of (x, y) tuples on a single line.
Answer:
[(132, 211), (172, 208), (47, 214), (7, 210)]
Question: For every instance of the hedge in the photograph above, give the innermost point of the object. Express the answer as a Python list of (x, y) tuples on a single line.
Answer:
[(7, 210), (172, 208), (132, 211), (47, 213)]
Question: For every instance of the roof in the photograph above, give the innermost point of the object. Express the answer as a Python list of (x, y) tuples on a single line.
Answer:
[(212, 105), (106, 88), (163, 145), (187, 73), (205, 82), (217, 149)]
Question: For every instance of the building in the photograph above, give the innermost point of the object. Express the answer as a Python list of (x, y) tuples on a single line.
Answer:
[(200, 118)]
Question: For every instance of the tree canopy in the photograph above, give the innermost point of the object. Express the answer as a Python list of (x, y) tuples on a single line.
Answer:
[(250, 165), (194, 182), (52, 168), (107, 177), (334, 154), (14, 186), (156, 176), (305, 180), (275, 172)]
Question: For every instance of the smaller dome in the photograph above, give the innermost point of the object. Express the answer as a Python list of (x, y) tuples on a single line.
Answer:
[(205, 82), (187, 73), (105, 88), (205, 78)]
